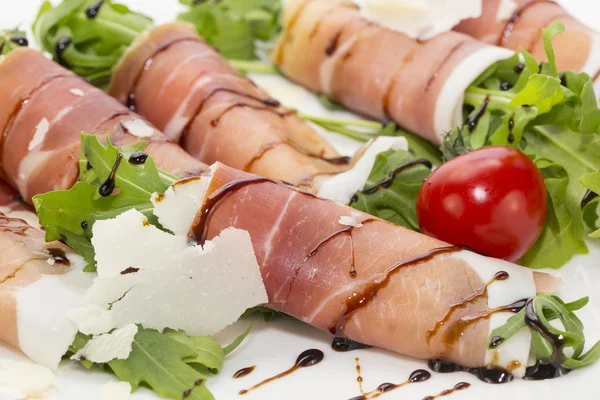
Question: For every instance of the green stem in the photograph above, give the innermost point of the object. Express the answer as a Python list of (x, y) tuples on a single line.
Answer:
[(359, 123), (258, 67)]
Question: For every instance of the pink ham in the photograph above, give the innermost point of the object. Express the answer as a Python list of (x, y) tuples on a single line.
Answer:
[(329, 48), (45, 109), (185, 88), (318, 270), (521, 28)]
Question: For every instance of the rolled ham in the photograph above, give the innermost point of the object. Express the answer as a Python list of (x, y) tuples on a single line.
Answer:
[(516, 24), (329, 48), (45, 108), (369, 280), (186, 89), (39, 283)]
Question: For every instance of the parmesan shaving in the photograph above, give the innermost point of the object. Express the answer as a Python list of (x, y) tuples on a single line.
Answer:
[(116, 345)]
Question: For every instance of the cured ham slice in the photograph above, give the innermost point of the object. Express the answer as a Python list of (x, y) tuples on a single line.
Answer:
[(369, 280), (39, 282), (186, 89), (45, 109), (520, 26), (329, 48)]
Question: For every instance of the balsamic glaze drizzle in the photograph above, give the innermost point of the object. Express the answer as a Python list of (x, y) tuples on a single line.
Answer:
[(61, 46), (587, 198), (306, 359), (417, 376), (108, 186), (92, 11), (474, 120), (504, 86), (343, 345), (138, 158), (511, 125), (188, 392), (458, 386), (519, 68), (243, 372), (358, 300), (19, 40), (485, 374), (387, 182), (558, 344), (59, 256)]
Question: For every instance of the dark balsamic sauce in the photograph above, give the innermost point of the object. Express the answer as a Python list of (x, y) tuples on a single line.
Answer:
[(511, 126), (59, 256), (387, 182), (20, 40), (188, 392), (306, 359), (333, 44), (563, 79), (504, 86), (359, 378), (84, 225), (474, 120), (499, 276), (343, 345), (92, 11), (61, 46), (458, 386), (587, 198), (519, 68), (130, 270), (240, 104), (243, 372), (417, 376), (485, 374), (131, 96), (108, 186), (138, 158), (358, 300)]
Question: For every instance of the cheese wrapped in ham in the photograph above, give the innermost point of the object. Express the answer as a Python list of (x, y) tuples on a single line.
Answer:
[(374, 282), (329, 48), (39, 283), (45, 108), (190, 92), (518, 24)]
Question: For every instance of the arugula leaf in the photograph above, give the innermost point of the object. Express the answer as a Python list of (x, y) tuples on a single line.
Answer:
[(592, 182), (12, 39), (237, 341), (555, 120), (69, 215), (234, 26), (397, 202), (267, 313), (89, 46)]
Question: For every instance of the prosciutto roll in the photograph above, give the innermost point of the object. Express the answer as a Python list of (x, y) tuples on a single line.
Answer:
[(518, 24), (33, 272), (45, 109), (329, 48), (186, 89), (367, 279)]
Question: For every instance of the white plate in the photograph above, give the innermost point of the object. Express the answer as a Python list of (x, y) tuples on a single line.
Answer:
[(273, 347)]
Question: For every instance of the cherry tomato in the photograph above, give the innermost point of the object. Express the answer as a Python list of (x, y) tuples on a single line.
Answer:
[(492, 200)]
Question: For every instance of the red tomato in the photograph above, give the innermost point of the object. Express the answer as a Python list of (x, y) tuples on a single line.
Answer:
[(492, 200)]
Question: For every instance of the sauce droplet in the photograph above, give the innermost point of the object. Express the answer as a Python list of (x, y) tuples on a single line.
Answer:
[(59, 256), (20, 40), (138, 158), (108, 186), (61, 46), (458, 386), (343, 345), (307, 358), (92, 11), (485, 374), (243, 372)]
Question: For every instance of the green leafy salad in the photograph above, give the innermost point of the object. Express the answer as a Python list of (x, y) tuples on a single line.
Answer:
[(170, 363)]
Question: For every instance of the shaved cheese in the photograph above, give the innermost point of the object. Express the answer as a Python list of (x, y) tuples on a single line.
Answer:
[(343, 186), (177, 208), (92, 319), (506, 9), (419, 19), (44, 330), (116, 345), (350, 220), (449, 104), (41, 130), (116, 391), (138, 127), (30, 381), (160, 280), (520, 285), (77, 92)]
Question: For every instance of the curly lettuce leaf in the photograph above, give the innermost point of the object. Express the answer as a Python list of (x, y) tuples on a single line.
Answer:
[(234, 26), (397, 202), (592, 182)]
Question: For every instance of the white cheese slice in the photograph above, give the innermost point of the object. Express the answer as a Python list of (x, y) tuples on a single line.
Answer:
[(41, 129), (419, 19), (449, 104), (92, 319), (139, 128), (44, 330), (116, 345), (342, 187), (520, 285), (177, 208), (116, 391), (26, 380)]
